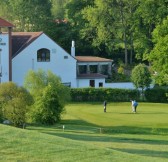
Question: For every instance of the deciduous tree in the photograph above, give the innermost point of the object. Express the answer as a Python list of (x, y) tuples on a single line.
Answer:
[(50, 96), (159, 55), (28, 15), (58, 8), (141, 77), (148, 15), (111, 22)]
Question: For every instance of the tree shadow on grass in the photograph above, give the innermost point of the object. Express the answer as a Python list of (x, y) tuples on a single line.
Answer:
[(81, 124), (135, 130), (104, 138), (144, 152), (77, 126), (81, 130), (144, 113)]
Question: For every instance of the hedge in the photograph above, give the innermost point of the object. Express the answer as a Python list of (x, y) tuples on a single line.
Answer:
[(156, 95), (101, 94)]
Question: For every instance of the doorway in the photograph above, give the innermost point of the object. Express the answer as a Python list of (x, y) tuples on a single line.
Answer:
[(92, 83), (100, 84)]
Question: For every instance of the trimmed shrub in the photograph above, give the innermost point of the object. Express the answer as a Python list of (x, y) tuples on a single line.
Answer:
[(101, 94), (156, 95)]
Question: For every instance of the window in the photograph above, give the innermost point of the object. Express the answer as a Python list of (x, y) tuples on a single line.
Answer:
[(43, 55), (82, 69), (93, 68), (67, 84), (92, 83), (104, 69), (100, 84)]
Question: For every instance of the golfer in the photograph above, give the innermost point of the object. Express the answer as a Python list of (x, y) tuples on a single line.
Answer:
[(105, 104)]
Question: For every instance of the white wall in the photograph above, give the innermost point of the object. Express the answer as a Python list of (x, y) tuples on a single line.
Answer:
[(83, 83), (27, 59), (122, 85), (4, 57)]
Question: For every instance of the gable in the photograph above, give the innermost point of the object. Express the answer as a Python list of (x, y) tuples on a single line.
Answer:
[(20, 40)]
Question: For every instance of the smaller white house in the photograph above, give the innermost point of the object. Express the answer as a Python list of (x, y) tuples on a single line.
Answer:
[(92, 71), (22, 51)]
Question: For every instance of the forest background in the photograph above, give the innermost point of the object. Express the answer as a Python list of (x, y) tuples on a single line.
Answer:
[(126, 31)]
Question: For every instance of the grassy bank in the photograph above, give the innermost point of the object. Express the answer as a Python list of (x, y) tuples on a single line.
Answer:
[(89, 134)]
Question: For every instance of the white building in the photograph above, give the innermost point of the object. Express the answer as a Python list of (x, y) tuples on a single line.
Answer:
[(22, 51)]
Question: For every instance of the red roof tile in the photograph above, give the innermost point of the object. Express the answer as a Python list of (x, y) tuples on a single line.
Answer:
[(92, 59), (20, 40), (4, 23)]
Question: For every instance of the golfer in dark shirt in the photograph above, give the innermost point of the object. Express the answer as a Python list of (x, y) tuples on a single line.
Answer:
[(105, 104)]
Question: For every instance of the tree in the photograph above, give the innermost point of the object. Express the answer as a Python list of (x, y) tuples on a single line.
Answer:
[(48, 108), (148, 15), (28, 15), (112, 23), (58, 8), (75, 18), (50, 96), (1, 114), (159, 55), (15, 102), (3, 9), (141, 77)]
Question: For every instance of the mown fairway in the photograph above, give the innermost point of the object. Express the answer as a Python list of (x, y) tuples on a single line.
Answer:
[(90, 135)]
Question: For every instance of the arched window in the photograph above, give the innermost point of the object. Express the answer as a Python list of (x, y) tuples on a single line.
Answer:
[(43, 55)]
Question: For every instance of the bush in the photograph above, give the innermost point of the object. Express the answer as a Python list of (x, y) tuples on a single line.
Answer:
[(156, 95), (141, 77), (101, 94), (121, 70), (50, 96), (14, 105), (47, 108), (1, 114)]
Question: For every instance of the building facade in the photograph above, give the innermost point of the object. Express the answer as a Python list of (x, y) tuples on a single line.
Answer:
[(24, 51)]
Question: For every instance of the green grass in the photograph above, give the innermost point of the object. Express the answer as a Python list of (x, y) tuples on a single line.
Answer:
[(90, 135)]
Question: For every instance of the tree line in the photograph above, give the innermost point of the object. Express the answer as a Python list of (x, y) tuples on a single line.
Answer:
[(133, 31)]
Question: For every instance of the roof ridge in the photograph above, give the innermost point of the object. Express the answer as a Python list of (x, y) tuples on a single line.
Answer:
[(92, 59)]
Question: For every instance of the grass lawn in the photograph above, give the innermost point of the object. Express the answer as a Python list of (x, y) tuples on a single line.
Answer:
[(90, 135)]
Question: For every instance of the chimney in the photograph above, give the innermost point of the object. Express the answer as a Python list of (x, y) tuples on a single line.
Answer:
[(73, 49)]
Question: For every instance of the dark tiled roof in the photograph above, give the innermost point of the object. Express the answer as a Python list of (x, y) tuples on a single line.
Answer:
[(92, 59), (4, 23), (20, 40), (91, 75)]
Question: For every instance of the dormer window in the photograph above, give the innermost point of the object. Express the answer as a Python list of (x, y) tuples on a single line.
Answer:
[(43, 55)]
